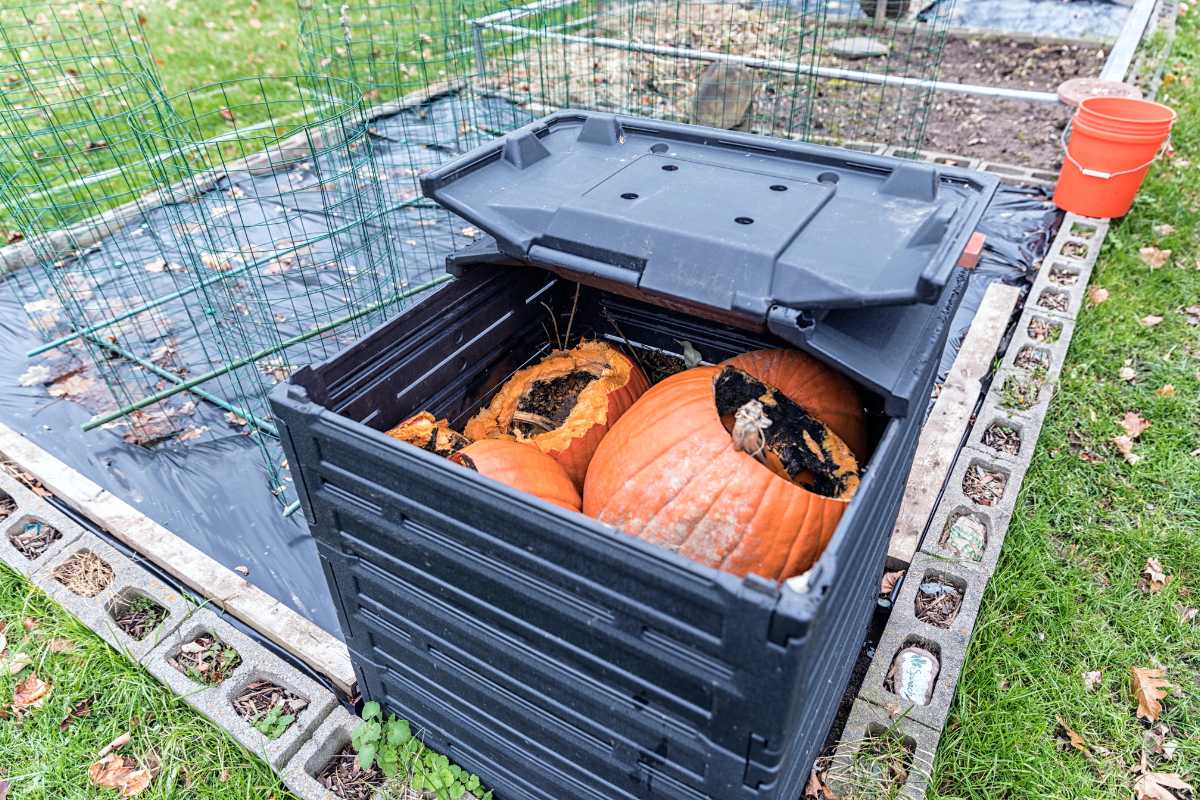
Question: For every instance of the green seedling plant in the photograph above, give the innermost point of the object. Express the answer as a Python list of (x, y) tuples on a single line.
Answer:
[(390, 743), (274, 722)]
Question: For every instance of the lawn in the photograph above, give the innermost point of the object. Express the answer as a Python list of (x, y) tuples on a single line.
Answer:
[(1065, 599), (96, 695)]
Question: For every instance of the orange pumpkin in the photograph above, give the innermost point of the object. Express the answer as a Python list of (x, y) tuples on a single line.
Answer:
[(825, 394), (726, 470), (564, 404), (521, 466)]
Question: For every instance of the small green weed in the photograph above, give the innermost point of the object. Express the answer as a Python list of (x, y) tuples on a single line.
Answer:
[(275, 722), (406, 762)]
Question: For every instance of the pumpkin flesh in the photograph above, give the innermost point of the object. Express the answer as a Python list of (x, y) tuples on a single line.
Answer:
[(564, 404), (669, 472), (425, 431)]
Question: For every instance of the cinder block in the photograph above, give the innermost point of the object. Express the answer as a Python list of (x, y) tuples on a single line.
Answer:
[(214, 701), (977, 461), (1086, 228), (300, 774), (867, 721), (1021, 394), (31, 508), (276, 752), (925, 567), (1027, 355), (130, 581), (983, 439), (949, 647)]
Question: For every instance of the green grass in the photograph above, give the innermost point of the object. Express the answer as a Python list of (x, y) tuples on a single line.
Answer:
[(1065, 598), (41, 761)]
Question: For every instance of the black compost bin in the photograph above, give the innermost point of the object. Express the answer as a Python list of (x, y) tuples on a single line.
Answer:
[(554, 655)]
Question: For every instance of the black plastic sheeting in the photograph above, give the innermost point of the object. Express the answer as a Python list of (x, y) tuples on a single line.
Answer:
[(1068, 19), (213, 492)]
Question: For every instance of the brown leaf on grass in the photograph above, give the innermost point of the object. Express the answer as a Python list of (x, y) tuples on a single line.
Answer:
[(1149, 687), (1192, 314), (29, 624), (1187, 616), (1153, 577), (1125, 445), (1074, 739), (1150, 320), (1134, 424), (1156, 742), (14, 663), (61, 646), (1166, 390), (115, 744), (1097, 295), (30, 693), (3, 790), (1127, 374), (889, 580), (1161, 786), (1163, 229), (1091, 680), (3, 642), (80, 710), (228, 115), (1153, 257)]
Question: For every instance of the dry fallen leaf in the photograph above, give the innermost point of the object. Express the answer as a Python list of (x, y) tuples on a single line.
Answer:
[(1153, 576), (1149, 687), (1192, 314), (1091, 680), (61, 646), (815, 788), (1097, 295), (30, 693), (1155, 741), (1074, 739), (1166, 390), (1163, 229), (80, 710), (1125, 445), (1127, 374), (1161, 786), (14, 663), (115, 744), (1134, 424), (35, 375), (3, 790), (889, 580), (227, 115), (1153, 257), (1186, 615), (1150, 320)]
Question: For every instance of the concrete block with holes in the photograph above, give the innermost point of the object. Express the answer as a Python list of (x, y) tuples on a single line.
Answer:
[(1039, 357), (852, 767), (33, 531), (130, 608), (300, 774), (1022, 395), (956, 505), (1008, 438), (947, 646), (215, 700)]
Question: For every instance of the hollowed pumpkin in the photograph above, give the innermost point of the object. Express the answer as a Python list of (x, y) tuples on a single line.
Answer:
[(521, 466), (564, 404), (727, 470)]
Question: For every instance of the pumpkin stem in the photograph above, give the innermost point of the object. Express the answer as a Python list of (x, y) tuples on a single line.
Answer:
[(750, 423)]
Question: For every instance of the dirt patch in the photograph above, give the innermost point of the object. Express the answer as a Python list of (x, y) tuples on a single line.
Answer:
[(938, 602), (206, 659), (137, 615), (343, 777), (1002, 438), (270, 708), (546, 404), (85, 574), (33, 538)]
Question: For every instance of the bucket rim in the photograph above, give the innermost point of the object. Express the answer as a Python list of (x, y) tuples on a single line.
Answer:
[(1143, 136), (1086, 109)]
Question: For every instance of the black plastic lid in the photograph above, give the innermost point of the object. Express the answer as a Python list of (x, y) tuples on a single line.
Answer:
[(726, 225)]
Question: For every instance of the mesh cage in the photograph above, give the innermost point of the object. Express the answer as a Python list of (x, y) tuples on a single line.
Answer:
[(845, 73)]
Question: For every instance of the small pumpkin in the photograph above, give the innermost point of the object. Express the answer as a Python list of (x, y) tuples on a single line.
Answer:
[(521, 466), (564, 404), (725, 469), (427, 432)]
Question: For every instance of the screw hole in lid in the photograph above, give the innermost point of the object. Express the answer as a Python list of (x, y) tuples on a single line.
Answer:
[(827, 177), (778, 187), (669, 167), (659, 148), (743, 220), (629, 196)]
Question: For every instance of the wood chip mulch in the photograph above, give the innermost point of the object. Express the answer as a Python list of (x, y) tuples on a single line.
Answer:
[(33, 538), (982, 486), (347, 780), (1002, 438), (138, 617), (259, 697), (1041, 330), (938, 602)]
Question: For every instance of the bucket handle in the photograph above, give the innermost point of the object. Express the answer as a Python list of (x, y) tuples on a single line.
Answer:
[(1095, 173)]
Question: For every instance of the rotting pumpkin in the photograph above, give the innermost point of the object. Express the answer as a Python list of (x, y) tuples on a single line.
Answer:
[(523, 467), (564, 404), (726, 469), (427, 432)]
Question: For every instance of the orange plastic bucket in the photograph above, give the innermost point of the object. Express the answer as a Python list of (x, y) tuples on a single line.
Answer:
[(1113, 142)]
